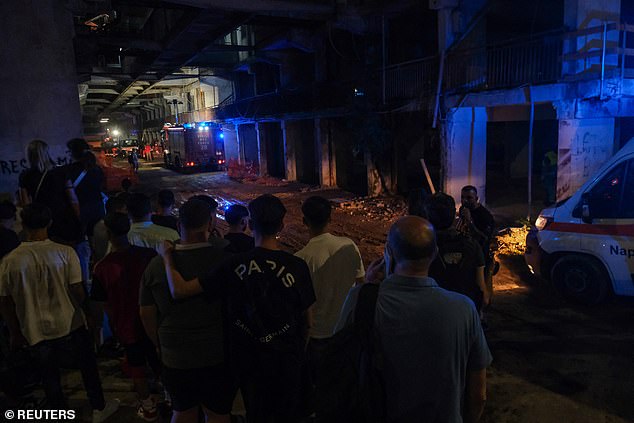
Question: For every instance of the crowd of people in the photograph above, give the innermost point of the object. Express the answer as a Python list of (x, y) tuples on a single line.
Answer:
[(210, 314)]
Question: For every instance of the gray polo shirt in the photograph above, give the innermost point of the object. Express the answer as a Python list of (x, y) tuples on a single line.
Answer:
[(431, 338)]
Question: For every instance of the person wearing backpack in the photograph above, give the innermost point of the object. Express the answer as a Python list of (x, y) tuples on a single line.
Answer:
[(433, 352), (459, 265)]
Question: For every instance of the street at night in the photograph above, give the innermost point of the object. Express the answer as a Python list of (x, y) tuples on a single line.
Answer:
[(317, 211), (553, 361)]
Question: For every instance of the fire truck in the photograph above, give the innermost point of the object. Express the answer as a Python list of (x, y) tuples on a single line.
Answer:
[(193, 147)]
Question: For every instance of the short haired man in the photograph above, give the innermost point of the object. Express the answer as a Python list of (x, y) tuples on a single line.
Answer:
[(268, 293), (143, 232), (116, 283), (477, 222), (164, 215), (335, 266), (190, 332), (237, 217), (434, 351), (40, 290), (459, 265), (214, 234), (87, 179), (100, 243)]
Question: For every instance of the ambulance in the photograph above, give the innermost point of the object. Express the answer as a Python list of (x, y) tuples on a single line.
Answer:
[(585, 244)]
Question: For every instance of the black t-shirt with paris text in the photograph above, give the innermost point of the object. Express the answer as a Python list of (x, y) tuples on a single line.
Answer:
[(266, 294)]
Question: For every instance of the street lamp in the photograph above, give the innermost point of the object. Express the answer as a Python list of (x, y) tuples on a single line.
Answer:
[(176, 103)]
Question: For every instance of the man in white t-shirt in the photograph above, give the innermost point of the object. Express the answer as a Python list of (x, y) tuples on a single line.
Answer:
[(144, 233), (335, 265), (40, 292)]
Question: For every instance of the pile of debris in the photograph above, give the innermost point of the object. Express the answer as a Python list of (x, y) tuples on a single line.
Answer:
[(372, 209), (512, 241)]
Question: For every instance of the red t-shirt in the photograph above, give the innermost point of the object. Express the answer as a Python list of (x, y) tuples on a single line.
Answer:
[(116, 281)]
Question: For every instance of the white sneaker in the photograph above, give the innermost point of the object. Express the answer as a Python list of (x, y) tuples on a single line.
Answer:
[(111, 407)]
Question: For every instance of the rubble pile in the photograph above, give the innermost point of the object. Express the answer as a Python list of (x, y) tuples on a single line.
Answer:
[(372, 209), (512, 241)]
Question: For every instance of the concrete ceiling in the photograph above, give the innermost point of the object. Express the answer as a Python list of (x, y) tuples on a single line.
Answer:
[(128, 51)]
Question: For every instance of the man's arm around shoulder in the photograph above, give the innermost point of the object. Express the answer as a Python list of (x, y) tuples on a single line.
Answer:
[(178, 286)]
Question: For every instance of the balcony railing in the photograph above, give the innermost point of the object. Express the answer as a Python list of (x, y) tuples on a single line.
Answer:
[(411, 77), (597, 52), (534, 61)]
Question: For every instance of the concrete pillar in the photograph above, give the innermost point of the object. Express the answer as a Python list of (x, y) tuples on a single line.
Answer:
[(232, 147), (323, 156), (454, 17), (262, 153), (289, 153), (39, 83), (240, 141), (374, 179), (584, 145), (463, 158)]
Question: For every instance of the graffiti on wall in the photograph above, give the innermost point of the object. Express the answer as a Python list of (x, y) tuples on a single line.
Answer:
[(16, 166), (584, 145)]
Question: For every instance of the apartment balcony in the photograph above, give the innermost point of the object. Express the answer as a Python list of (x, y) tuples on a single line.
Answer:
[(599, 52)]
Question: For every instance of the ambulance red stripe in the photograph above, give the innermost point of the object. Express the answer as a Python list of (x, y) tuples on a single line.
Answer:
[(585, 228)]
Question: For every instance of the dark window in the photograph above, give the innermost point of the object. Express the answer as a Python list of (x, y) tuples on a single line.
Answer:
[(605, 197)]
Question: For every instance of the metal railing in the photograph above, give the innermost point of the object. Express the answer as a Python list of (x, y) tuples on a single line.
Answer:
[(595, 52), (549, 57), (532, 61), (417, 76)]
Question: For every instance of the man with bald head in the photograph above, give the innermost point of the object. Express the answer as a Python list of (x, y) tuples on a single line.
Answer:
[(434, 351)]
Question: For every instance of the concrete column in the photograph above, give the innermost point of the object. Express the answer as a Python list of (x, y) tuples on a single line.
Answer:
[(289, 153), (464, 151), (454, 17), (584, 145), (240, 141), (39, 83), (262, 153), (374, 179), (325, 165), (232, 147)]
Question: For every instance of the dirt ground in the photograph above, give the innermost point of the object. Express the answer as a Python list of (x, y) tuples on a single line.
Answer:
[(553, 361)]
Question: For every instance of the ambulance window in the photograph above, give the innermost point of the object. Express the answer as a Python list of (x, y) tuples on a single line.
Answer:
[(605, 196), (627, 205)]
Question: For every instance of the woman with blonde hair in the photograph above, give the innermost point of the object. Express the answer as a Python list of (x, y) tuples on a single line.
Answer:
[(45, 183)]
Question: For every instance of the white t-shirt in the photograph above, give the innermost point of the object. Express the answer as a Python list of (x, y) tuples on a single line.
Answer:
[(150, 235), (334, 263), (37, 276)]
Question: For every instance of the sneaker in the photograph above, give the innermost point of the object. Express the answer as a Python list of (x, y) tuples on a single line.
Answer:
[(99, 416), (147, 410)]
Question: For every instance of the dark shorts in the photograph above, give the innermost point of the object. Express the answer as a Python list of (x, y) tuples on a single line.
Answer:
[(140, 353), (214, 387)]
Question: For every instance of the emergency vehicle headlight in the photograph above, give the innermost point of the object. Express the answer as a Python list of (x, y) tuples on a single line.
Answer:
[(542, 222)]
